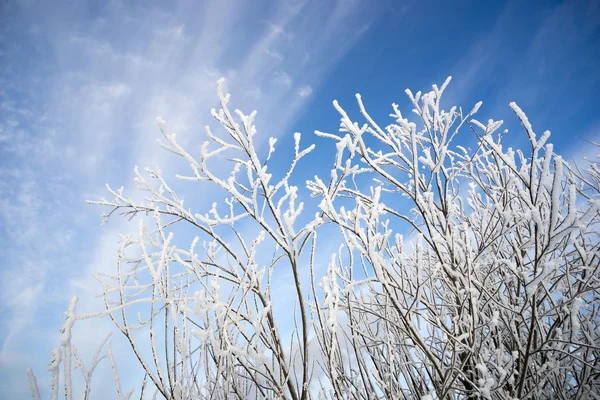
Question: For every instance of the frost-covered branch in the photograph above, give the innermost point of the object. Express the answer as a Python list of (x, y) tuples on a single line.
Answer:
[(459, 273)]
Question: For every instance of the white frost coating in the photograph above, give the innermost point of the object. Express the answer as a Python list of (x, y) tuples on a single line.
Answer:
[(54, 368), (65, 341), (495, 318), (541, 277), (272, 142), (297, 136), (55, 358), (67, 327), (492, 231), (486, 387), (575, 324), (525, 121), (116, 378), (556, 191), (35, 391), (476, 108)]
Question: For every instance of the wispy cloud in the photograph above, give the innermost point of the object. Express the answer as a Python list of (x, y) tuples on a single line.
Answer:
[(305, 91), (282, 79), (544, 61), (78, 110)]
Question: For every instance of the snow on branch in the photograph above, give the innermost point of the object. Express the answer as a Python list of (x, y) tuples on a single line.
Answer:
[(459, 273)]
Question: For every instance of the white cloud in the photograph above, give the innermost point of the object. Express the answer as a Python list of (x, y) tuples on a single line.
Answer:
[(305, 91), (97, 118), (283, 79), (580, 151), (91, 45), (176, 31), (277, 57), (118, 90), (254, 93)]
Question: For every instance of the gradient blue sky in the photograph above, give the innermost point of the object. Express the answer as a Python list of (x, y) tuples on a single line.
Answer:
[(81, 84)]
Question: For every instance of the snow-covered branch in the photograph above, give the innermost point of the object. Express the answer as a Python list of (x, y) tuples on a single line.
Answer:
[(459, 273)]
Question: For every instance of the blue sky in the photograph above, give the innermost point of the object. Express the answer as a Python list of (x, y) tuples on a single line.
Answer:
[(81, 84)]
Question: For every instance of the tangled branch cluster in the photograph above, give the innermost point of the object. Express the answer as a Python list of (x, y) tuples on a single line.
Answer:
[(495, 295)]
